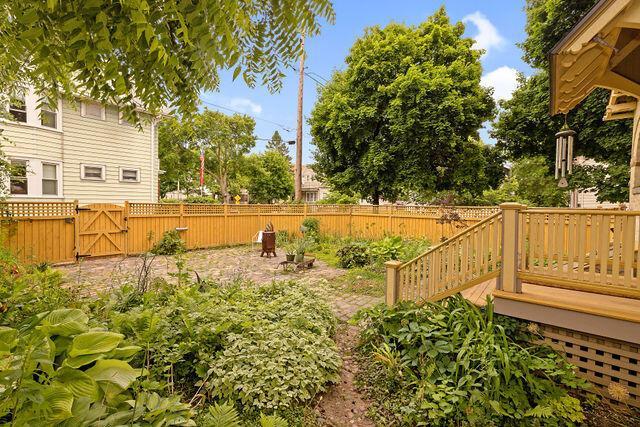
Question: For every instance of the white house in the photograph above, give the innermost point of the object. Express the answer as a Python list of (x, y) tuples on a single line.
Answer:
[(312, 189), (82, 151)]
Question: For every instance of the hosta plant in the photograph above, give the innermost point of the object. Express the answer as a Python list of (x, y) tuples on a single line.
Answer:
[(451, 363), (56, 371)]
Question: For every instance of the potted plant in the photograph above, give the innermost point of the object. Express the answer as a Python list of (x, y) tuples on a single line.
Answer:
[(301, 248), (290, 253)]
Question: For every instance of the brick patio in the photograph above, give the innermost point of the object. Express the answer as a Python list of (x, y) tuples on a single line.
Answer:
[(222, 265)]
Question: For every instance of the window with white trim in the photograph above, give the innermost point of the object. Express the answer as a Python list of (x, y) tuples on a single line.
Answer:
[(18, 108), (27, 109), (48, 118), (35, 178), (49, 179), (93, 109), (93, 172), (18, 182), (129, 175)]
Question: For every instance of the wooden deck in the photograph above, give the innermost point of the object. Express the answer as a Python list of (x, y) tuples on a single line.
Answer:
[(610, 316)]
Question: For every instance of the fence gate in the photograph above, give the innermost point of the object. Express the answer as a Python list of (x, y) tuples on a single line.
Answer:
[(101, 230)]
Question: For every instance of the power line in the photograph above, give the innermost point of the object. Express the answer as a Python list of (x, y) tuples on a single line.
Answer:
[(319, 76), (284, 127), (311, 77)]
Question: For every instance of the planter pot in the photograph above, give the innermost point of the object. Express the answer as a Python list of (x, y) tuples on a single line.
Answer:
[(299, 257), (291, 257)]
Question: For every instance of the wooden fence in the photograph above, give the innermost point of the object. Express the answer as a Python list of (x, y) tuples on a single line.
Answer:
[(59, 232)]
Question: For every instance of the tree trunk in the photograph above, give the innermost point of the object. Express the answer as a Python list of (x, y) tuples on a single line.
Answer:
[(375, 199), (222, 182)]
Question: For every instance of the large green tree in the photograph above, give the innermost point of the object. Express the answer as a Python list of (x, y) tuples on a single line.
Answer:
[(528, 182), (277, 144), (225, 139), (151, 52), (269, 177), (178, 157), (400, 116), (524, 127)]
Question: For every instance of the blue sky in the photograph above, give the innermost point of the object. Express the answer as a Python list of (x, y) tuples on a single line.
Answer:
[(496, 25)]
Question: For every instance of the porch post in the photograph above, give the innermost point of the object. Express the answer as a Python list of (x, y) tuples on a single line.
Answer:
[(393, 280), (508, 280), (634, 182)]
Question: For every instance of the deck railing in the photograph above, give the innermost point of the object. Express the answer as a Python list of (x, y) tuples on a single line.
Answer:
[(588, 250), (466, 259), (591, 250)]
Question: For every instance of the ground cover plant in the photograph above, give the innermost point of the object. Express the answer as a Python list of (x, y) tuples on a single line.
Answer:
[(261, 349), (451, 363), (160, 354)]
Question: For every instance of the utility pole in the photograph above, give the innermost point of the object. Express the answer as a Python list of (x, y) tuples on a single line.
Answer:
[(298, 169)]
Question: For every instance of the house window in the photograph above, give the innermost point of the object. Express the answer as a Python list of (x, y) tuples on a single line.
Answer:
[(49, 179), (18, 183), (18, 109), (48, 118), (129, 175), (92, 172), (92, 109)]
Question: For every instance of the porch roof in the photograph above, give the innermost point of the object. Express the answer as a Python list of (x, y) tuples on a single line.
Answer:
[(602, 50)]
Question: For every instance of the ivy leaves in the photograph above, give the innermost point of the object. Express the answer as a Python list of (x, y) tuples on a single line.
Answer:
[(153, 52)]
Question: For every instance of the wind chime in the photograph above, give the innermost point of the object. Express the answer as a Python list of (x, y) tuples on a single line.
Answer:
[(564, 153)]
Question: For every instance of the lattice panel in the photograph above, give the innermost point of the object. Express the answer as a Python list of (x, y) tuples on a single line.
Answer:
[(275, 209), (611, 365), (328, 209), (202, 209), (37, 210), (144, 209)]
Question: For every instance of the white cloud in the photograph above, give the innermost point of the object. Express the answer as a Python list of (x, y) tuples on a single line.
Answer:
[(245, 105), (503, 80), (488, 36)]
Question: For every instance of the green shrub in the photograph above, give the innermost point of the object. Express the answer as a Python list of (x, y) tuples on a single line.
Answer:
[(450, 363), (57, 371), (261, 349), (353, 255), (170, 244), (283, 237), (28, 290), (202, 199), (311, 228), (388, 248)]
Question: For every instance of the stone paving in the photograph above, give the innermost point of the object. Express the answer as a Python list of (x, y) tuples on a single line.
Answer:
[(222, 265)]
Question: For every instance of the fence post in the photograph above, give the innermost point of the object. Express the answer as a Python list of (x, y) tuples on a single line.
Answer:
[(126, 212), (350, 220), (305, 210), (181, 220), (508, 280), (225, 210), (393, 281), (76, 229)]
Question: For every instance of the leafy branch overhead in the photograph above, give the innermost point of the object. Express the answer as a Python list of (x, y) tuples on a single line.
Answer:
[(153, 52)]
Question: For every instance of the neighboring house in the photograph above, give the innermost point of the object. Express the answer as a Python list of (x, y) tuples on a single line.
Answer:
[(83, 151), (587, 199), (312, 189)]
